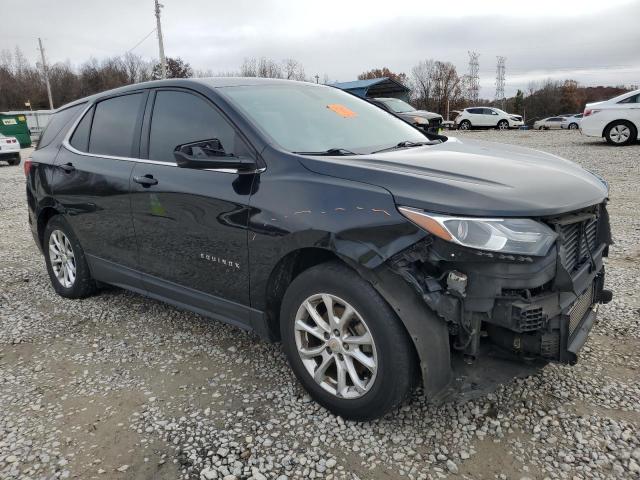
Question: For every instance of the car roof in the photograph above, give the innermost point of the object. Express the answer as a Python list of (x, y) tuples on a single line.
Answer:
[(623, 96), (212, 82)]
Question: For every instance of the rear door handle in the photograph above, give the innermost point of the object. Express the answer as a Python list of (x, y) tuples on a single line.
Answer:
[(67, 167), (145, 180)]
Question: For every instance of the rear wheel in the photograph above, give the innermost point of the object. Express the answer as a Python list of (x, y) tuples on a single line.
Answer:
[(13, 161), (573, 126), (345, 344), (503, 125), (620, 133), (465, 125), (66, 264)]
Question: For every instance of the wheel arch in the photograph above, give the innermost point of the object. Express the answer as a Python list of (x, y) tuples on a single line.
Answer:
[(45, 214), (429, 334), (623, 120)]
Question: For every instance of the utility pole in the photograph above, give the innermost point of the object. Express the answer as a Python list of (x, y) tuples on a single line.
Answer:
[(474, 77), (500, 71), (45, 69), (163, 61)]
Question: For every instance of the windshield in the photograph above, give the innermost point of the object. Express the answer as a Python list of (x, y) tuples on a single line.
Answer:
[(398, 106), (309, 118)]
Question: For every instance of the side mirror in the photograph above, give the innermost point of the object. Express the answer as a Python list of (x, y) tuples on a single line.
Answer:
[(205, 154)]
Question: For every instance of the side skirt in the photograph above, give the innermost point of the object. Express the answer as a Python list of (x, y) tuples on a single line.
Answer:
[(185, 298)]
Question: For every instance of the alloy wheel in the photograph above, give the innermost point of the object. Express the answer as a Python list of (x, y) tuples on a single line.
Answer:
[(620, 133), (503, 125), (62, 258), (336, 346)]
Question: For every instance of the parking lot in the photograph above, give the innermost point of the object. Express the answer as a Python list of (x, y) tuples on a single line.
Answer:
[(120, 386)]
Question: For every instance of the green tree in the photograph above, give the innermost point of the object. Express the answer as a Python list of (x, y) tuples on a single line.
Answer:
[(176, 68), (518, 102)]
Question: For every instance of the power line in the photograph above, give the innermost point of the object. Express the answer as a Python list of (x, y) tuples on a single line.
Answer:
[(474, 76), (138, 44)]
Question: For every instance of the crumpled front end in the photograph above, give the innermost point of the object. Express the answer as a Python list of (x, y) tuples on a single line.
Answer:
[(524, 307)]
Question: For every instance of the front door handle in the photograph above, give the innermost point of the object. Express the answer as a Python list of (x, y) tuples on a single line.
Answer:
[(67, 167), (145, 180)]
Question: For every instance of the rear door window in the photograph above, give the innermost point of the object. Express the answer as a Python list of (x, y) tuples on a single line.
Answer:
[(57, 122), (114, 131), (181, 117)]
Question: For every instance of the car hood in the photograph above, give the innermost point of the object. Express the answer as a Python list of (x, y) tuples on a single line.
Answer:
[(472, 177), (421, 113)]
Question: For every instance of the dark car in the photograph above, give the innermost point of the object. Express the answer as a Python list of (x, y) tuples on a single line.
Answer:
[(376, 255), (418, 118)]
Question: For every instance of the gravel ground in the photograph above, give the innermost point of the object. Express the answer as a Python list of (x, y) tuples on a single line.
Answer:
[(120, 386)]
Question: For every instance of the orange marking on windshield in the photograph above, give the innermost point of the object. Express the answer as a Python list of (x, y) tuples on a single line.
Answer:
[(342, 110)]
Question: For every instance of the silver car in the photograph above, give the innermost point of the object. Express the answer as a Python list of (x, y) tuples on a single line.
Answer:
[(548, 123), (571, 122)]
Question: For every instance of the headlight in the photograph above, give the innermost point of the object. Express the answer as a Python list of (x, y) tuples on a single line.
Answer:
[(521, 236), (420, 120)]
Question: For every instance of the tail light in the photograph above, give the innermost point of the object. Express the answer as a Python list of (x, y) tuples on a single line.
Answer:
[(27, 165), (589, 111)]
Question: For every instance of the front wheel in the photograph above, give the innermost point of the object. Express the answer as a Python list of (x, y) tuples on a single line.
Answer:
[(345, 344), (620, 133), (573, 126), (503, 125)]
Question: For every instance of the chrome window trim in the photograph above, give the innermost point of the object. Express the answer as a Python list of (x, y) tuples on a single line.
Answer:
[(67, 145)]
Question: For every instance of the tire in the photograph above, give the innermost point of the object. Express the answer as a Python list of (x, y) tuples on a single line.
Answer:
[(391, 352), (58, 236), (573, 126), (503, 125), (540, 128), (464, 125), (620, 133)]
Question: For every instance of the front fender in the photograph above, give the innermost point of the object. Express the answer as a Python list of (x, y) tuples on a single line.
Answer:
[(429, 333)]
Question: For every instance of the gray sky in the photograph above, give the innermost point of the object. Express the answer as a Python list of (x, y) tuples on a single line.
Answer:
[(594, 42)]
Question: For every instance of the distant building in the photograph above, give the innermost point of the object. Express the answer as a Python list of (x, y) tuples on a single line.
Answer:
[(375, 87)]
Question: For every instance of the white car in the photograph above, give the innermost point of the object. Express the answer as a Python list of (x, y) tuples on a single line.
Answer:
[(487, 117), (617, 120), (9, 150), (572, 122), (548, 123)]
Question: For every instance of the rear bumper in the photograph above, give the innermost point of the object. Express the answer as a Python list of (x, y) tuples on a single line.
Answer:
[(10, 155), (591, 128)]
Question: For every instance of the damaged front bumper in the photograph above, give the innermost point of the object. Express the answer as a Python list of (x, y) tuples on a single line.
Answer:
[(512, 313)]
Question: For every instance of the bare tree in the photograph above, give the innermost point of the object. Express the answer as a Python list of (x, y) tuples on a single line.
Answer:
[(293, 69), (422, 84)]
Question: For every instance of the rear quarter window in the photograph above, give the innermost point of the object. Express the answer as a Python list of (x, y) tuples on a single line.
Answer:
[(113, 130), (57, 123)]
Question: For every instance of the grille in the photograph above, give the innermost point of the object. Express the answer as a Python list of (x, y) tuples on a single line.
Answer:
[(435, 123), (578, 310), (574, 248), (531, 319)]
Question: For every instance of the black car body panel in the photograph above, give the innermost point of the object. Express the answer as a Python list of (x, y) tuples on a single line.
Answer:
[(471, 177), (227, 243)]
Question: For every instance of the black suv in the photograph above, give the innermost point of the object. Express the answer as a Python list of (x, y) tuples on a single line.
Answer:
[(377, 255)]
